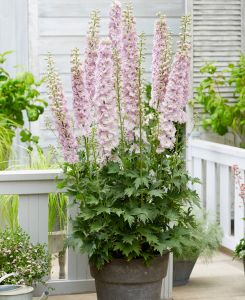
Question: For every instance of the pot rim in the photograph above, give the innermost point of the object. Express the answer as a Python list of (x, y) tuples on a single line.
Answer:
[(23, 290)]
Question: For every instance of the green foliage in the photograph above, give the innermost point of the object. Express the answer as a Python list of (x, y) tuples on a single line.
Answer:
[(240, 249), (223, 116), (6, 136), (9, 211), (19, 97), (17, 254), (205, 237), (127, 211)]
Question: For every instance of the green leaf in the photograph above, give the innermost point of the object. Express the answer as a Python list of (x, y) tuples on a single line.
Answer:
[(129, 191), (128, 218), (156, 193)]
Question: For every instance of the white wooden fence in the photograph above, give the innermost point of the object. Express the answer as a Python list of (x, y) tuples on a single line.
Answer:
[(219, 192), (33, 188)]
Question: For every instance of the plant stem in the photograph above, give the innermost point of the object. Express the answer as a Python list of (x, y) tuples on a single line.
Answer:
[(86, 143), (141, 44), (118, 92)]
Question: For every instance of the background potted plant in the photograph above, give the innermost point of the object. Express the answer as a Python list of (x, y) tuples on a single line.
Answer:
[(19, 97), (31, 263), (204, 240), (221, 115), (240, 248), (57, 220), (124, 169), (240, 251)]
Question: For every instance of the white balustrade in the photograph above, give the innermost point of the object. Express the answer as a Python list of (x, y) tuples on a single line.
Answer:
[(33, 188), (212, 163)]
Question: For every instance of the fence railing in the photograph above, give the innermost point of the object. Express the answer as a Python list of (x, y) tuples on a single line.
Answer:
[(219, 190), (33, 188)]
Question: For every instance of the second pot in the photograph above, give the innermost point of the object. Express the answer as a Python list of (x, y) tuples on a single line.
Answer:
[(182, 271)]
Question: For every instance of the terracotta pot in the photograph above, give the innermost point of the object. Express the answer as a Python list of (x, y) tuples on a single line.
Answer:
[(123, 280)]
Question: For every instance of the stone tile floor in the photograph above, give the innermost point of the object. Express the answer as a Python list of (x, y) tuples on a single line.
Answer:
[(222, 279)]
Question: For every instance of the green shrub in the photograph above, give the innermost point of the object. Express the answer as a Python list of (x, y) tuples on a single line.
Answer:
[(19, 97), (17, 254), (205, 237), (223, 116)]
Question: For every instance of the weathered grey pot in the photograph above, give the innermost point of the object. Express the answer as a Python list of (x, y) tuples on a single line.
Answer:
[(182, 271), (123, 280)]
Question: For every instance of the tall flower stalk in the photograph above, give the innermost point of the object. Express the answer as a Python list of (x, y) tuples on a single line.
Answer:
[(115, 35), (105, 97), (91, 57), (172, 108), (115, 26), (81, 104), (161, 61), (63, 122), (130, 57)]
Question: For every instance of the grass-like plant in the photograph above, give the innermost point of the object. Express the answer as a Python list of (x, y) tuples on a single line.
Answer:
[(205, 236), (57, 202)]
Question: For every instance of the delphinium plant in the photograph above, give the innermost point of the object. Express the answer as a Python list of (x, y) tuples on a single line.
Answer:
[(123, 168), (31, 263)]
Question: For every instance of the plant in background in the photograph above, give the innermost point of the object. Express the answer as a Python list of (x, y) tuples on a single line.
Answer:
[(57, 202), (223, 115), (19, 255), (129, 182), (205, 237), (6, 137), (240, 248), (19, 97), (9, 212)]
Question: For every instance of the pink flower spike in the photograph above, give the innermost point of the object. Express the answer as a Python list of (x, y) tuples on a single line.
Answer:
[(161, 59), (130, 88), (105, 98), (63, 122), (91, 56), (171, 110), (115, 25), (81, 103)]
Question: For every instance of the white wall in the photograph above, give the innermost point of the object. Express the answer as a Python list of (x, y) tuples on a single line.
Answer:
[(14, 32)]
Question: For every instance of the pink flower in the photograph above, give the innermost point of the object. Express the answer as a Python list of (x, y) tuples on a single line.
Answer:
[(115, 25), (171, 110), (130, 88), (161, 59), (81, 103), (105, 98), (63, 122), (91, 57)]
